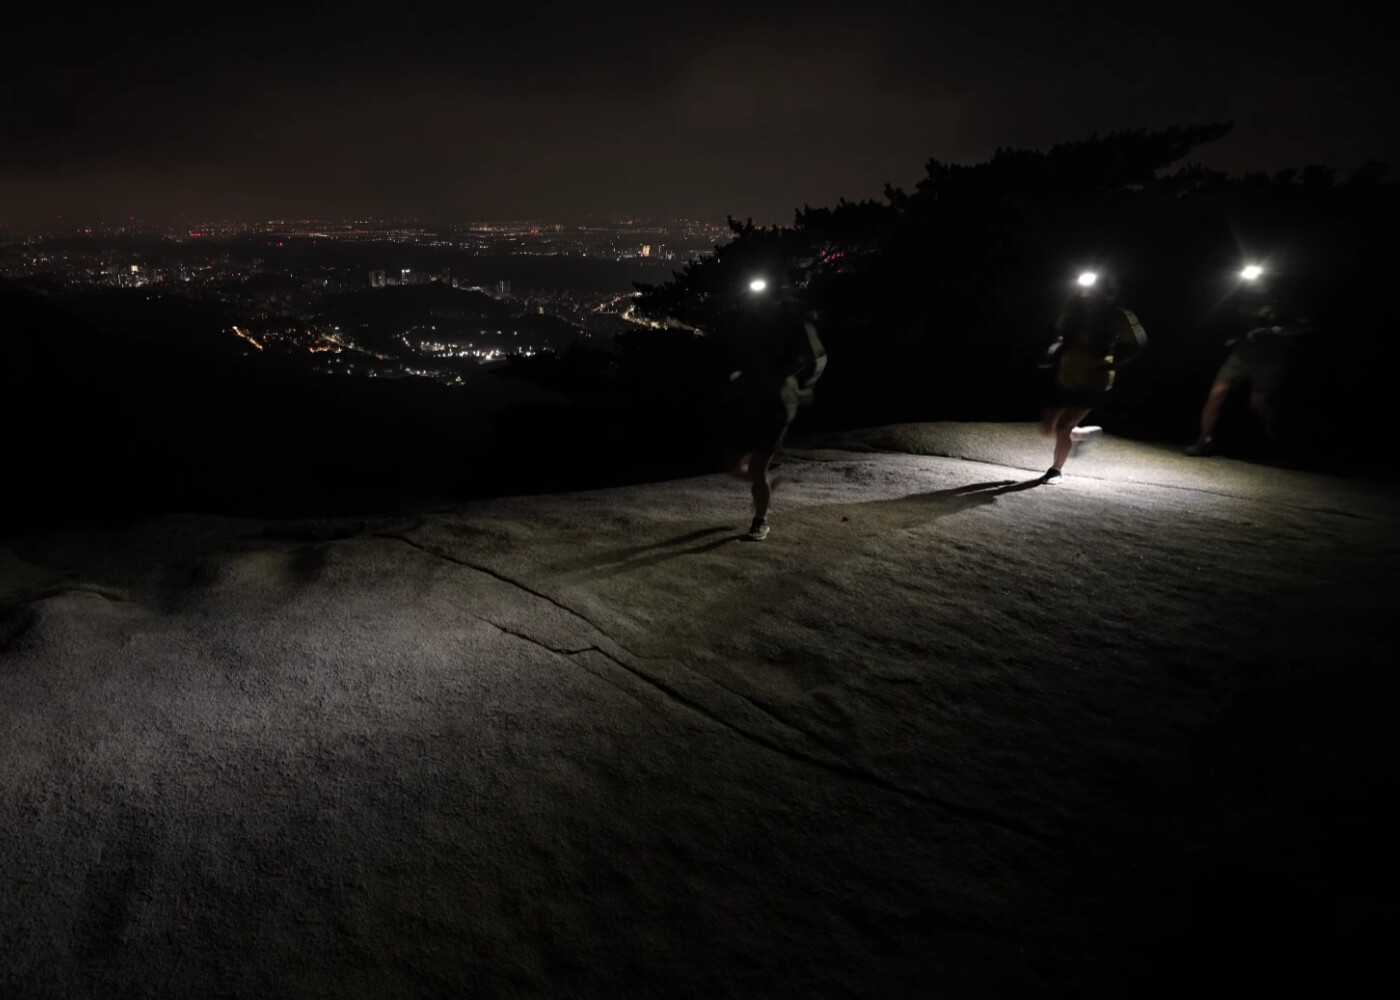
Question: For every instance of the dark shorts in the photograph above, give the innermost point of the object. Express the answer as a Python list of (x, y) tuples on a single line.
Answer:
[(758, 426), (1054, 396), (1075, 399), (1264, 377)]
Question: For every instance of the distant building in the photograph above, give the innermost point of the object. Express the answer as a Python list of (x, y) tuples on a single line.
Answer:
[(503, 288), (377, 279), (646, 249)]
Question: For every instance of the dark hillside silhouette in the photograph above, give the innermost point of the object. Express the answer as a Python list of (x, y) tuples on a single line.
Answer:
[(115, 410), (106, 425)]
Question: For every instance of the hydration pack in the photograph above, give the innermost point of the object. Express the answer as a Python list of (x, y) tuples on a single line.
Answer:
[(813, 363)]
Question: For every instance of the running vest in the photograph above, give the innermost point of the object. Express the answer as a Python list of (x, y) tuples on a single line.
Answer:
[(1096, 346)]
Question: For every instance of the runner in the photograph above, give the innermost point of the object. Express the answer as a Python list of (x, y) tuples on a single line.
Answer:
[(1259, 359), (1094, 339), (780, 358)]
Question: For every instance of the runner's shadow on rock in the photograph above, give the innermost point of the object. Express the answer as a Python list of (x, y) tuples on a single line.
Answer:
[(636, 556), (880, 516), (970, 495), (1012, 487)]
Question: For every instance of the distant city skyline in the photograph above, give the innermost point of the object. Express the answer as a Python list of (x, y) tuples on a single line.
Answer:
[(442, 300), (197, 225), (562, 110)]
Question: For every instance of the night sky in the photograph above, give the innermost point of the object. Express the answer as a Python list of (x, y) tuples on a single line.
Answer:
[(472, 111)]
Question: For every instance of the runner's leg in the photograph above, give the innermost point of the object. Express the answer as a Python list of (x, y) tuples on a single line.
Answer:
[(758, 472), (1068, 421), (1210, 413)]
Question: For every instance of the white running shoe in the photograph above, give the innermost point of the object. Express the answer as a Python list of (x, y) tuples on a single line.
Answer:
[(758, 531), (1085, 439)]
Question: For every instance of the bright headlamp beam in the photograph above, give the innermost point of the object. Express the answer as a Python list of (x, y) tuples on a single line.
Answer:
[(1088, 279), (757, 285), (1251, 272)]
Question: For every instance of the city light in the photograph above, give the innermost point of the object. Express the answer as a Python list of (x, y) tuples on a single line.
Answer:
[(248, 337), (296, 307)]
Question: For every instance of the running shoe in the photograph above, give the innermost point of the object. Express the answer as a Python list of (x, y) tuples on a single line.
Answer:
[(1085, 439)]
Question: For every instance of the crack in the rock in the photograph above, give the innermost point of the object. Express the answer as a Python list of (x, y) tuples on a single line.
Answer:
[(839, 766), (1338, 512), (583, 618), (666, 689), (760, 707), (563, 652), (496, 575), (833, 751)]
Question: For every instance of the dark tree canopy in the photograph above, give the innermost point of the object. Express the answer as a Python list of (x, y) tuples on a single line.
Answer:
[(956, 215), (937, 301)]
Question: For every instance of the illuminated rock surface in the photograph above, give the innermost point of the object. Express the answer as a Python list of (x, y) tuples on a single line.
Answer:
[(938, 736)]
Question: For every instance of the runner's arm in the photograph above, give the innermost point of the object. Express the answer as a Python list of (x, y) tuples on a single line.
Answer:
[(1130, 341)]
